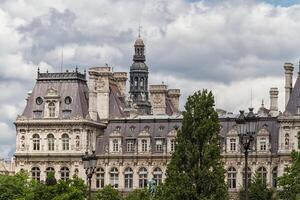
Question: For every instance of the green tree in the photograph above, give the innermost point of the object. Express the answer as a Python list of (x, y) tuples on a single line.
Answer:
[(138, 194), (258, 190), (195, 170), (108, 192), (290, 181), (14, 187)]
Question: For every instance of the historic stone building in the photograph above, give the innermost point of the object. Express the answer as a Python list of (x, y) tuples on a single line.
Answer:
[(134, 135)]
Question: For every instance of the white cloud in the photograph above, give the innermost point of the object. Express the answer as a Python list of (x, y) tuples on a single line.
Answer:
[(226, 46)]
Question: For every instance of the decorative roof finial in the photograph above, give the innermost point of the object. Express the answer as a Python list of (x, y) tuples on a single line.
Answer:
[(262, 103), (76, 69), (38, 70)]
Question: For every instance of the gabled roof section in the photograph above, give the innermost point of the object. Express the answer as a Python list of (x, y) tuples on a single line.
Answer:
[(116, 103), (67, 84), (294, 101)]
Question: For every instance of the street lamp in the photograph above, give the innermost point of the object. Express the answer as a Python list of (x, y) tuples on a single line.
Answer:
[(89, 164), (247, 126)]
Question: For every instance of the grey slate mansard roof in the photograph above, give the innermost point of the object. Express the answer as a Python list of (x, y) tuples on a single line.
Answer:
[(72, 84), (139, 124), (270, 123), (294, 101)]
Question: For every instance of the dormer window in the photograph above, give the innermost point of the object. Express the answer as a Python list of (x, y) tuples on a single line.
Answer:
[(66, 113), (37, 114), (263, 144), (51, 108)]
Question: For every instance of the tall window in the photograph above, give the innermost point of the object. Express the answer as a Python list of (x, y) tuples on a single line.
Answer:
[(144, 146), (51, 107), (99, 178), (136, 82), (48, 170), (159, 146), (36, 173), (128, 178), (115, 145), (36, 142), (249, 176), (143, 177), (130, 145), (231, 178), (114, 177), (157, 175), (142, 83), (50, 140), (274, 177), (262, 173), (173, 143), (64, 173), (232, 144), (65, 142), (263, 144)]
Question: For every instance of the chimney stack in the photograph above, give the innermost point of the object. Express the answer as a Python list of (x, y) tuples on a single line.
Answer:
[(274, 101), (174, 95), (288, 68), (158, 99), (121, 78)]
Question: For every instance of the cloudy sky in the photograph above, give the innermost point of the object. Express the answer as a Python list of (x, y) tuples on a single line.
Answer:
[(231, 47)]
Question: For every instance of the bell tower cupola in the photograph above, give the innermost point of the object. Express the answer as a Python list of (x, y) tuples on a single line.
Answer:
[(139, 79)]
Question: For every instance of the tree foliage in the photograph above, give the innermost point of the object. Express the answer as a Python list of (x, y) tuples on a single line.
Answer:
[(138, 194), (108, 192), (20, 187), (290, 181), (258, 190), (195, 170)]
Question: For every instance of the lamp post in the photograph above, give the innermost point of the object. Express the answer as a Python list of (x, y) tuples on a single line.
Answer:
[(89, 164), (247, 126)]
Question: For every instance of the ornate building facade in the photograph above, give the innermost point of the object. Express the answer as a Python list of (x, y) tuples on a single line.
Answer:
[(134, 135)]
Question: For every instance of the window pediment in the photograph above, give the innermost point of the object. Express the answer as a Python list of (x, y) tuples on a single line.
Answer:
[(144, 134), (263, 132), (52, 93), (233, 132)]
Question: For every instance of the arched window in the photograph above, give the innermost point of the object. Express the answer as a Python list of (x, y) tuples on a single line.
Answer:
[(128, 173), (51, 107), (100, 178), (65, 142), (274, 177), (36, 173), (287, 140), (173, 144), (157, 175), (48, 170), (262, 173), (142, 83), (143, 177), (231, 178), (36, 142), (64, 173), (115, 145), (136, 80), (50, 140), (249, 176), (144, 146), (114, 177)]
